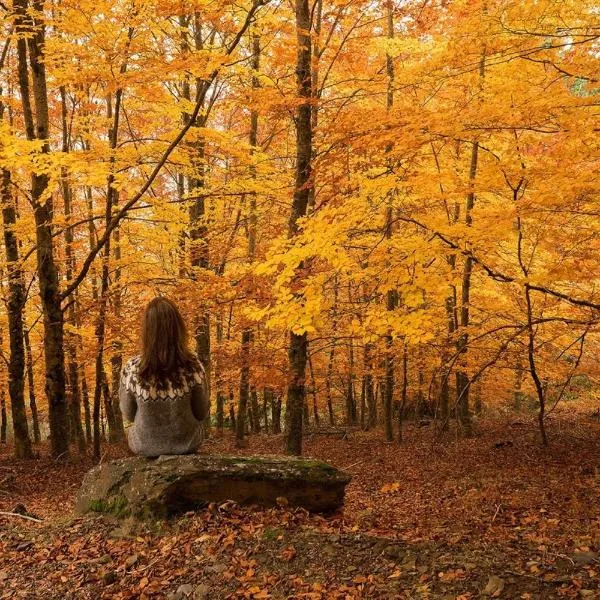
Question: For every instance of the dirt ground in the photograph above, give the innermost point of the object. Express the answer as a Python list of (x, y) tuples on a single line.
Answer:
[(497, 515)]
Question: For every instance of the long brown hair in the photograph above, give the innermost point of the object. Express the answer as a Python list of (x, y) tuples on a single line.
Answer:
[(164, 342)]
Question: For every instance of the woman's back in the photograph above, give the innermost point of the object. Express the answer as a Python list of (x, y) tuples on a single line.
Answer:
[(166, 416), (163, 391)]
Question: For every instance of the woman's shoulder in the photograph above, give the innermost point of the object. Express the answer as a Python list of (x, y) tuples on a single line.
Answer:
[(196, 370), (132, 364)]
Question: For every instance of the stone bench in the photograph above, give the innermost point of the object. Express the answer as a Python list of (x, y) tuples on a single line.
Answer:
[(158, 488)]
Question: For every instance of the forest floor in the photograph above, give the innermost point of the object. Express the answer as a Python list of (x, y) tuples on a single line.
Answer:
[(497, 515)]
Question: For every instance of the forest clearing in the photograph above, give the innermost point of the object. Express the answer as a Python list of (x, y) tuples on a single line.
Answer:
[(356, 231)]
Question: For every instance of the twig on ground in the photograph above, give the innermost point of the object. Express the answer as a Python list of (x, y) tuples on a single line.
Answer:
[(14, 514), (354, 464), (498, 507)]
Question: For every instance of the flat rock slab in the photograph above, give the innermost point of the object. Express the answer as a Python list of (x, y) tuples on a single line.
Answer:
[(157, 488)]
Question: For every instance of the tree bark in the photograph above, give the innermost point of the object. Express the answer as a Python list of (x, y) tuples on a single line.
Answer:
[(15, 306), (404, 397), (240, 427), (42, 205), (35, 419), (72, 340), (3, 417), (298, 342), (391, 296)]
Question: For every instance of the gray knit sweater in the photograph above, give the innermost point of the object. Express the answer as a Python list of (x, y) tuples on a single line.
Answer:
[(167, 417)]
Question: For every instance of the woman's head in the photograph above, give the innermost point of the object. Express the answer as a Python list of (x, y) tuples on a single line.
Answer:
[(164, 341)]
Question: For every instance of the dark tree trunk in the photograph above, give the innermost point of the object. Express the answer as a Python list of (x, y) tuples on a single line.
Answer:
[(328, 384), (313, 388), (462, 379), (35, 419), (402, 405), (391, 296), (86, 408), (15, 306), (72, 340), (350, 396), (43, 213), (219, 378), (369, 389), (266, 403), (276, 413), (255, 411), (298, 343), (116, 359), (240, 429), (3, 417), (232, 415), (220, 411)]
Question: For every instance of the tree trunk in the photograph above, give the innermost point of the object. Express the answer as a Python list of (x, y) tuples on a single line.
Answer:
[(199, 250), (15, 306), (240, 428), (402, 405), (116, 359), (391, 296), (350, 396), (72, 340), (298, 343), (35, 419), (276, 413), (232, 414), (328, 383), (462, 379), (255, 411), (267, 395), (86, 408), (3, 417), (43, 212), (518, 387), (313, 388)]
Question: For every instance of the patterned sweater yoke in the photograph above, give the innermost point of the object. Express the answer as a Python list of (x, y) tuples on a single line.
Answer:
[(166, 414)]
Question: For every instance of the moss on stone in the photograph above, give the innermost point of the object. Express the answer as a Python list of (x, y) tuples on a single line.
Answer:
[(115, 505)]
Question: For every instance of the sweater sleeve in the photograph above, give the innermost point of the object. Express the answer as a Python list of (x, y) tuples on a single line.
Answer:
[(200, 402), (127, 402)]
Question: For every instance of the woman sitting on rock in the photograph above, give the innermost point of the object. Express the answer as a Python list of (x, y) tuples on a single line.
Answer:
[(163, 391)]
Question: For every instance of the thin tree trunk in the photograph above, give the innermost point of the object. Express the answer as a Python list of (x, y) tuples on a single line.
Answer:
[(116, 359), (86, 408), (518, 387), (350, 395), (298, 343), (72, 340), (100, 330), (247, 335), (328, 385), (255, 411), (219, 377), (462, 379), (313, 388), (276, 413), (15, 306), (3, 416), (371, 417), (391, 296), (266, 403), (404, 397), (35, 419), (240, 428), (232, 415)]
